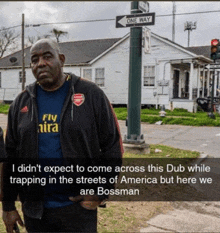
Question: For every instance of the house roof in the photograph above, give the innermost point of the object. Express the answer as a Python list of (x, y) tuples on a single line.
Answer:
[(76, 52), (200, 50), (86, 51)]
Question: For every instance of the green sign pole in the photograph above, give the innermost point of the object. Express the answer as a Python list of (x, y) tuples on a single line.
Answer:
[(134, 89)]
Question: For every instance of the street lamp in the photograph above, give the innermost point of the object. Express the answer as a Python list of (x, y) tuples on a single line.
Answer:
[(189, 26)]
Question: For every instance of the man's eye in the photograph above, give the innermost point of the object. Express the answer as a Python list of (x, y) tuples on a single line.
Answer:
[(34, 60), (47, 57)]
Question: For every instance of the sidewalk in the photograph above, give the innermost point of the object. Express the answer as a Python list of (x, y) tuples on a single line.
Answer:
[(3, 121), (186, 216)]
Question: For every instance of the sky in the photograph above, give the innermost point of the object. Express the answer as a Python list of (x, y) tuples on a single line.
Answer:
[(44, 12)]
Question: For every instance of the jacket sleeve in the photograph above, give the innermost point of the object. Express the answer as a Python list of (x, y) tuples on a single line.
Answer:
[(109, 136), (108, 128), (9, 190), (2, 146)]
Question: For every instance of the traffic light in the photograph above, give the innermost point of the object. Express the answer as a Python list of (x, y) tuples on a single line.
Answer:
[(215, 49)]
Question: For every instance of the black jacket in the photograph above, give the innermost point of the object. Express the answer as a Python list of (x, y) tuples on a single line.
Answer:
[(2, 147), (89, 131)]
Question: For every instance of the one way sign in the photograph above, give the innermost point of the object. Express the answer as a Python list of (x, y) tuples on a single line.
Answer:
[(135, 20)]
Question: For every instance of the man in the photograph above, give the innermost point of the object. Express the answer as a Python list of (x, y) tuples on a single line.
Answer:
[(60, 116)]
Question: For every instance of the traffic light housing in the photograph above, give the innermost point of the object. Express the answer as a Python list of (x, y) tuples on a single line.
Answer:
[(215, 49)]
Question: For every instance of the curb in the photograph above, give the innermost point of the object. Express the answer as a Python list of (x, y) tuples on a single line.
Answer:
[(201, 158)]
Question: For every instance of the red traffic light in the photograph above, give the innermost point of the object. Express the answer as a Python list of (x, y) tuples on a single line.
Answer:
[(214, 45), (214, 42), (215, 49)]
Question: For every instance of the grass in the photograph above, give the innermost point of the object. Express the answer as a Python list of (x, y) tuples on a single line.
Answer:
[(151, 116), (130, 216), (177, 117), (4, 108)]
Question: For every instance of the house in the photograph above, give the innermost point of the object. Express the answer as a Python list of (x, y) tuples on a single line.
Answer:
[(172, 75), (206, 75)]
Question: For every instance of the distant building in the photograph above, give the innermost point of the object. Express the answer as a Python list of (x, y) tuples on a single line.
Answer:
[(172, 75)]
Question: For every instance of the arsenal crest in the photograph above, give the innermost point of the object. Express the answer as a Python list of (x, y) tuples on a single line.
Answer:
[(78, 99)]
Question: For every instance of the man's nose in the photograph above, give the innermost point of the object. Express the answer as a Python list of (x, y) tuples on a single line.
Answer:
[(41, 61)]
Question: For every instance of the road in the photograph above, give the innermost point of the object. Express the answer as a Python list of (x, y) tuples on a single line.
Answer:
[(203, 139)]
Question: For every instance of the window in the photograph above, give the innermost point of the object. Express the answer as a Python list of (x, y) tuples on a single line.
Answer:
[(0, 80), (20, 76), (149, 76), (87, 74), (100, 77)]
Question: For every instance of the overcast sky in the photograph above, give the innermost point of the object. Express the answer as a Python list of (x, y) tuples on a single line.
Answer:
[(42, 12)]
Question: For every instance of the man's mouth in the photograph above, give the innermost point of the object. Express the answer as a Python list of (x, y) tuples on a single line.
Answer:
[(42, 74)]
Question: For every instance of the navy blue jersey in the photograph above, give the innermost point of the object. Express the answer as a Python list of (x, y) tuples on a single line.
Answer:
[(50, 105)]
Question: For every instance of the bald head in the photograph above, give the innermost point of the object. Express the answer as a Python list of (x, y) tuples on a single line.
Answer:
[(50, 42)]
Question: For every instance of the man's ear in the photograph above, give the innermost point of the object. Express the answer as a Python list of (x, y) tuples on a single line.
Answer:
[(62, 58)]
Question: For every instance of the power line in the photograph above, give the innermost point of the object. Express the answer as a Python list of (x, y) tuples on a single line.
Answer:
[(190, 13), (3, 29), (103, 20), (83, 21)]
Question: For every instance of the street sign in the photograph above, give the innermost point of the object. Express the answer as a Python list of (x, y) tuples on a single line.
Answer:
[(143, 6), (146, 34), (163, 82), (135, 20), (212, 66)]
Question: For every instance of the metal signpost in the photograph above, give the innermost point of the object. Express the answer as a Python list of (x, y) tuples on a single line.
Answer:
[(136, 20)]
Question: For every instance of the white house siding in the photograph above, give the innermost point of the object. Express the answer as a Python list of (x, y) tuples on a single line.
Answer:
[(161, 56), (116, 64), (72, 69), (11, 86)]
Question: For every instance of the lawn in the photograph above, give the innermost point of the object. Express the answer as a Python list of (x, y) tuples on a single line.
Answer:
[(177, 117), (151, 116), (130, 216)]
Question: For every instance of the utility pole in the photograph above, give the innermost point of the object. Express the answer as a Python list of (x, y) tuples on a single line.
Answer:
[(189, 26), (173, 28), (134, 89), (23, 61)]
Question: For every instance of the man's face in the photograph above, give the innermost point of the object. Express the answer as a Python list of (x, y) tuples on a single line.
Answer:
[(46, 64)]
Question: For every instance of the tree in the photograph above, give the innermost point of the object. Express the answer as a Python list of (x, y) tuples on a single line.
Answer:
[(33, 39), (57, 33), (7, 39)]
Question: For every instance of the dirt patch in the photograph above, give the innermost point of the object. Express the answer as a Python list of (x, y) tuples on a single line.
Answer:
[(129, 216)]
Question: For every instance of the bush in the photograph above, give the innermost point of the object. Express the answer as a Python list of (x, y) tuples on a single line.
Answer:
[(180, 110)]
